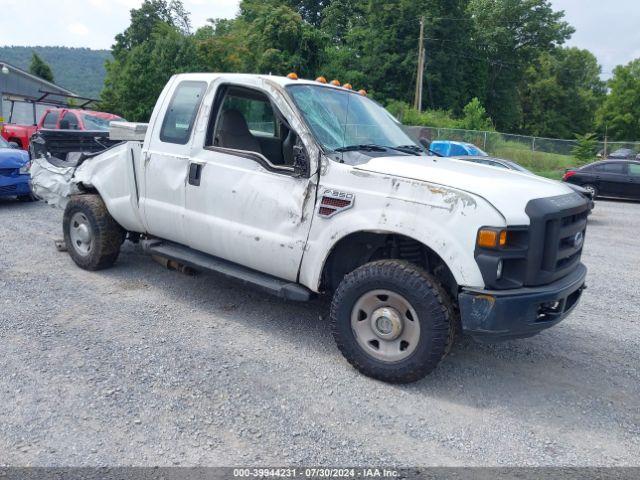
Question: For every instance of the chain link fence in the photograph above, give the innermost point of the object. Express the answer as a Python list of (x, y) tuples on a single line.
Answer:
[(546, 156)]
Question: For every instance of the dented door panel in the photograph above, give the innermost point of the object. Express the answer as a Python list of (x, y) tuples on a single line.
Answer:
[(248, 215)]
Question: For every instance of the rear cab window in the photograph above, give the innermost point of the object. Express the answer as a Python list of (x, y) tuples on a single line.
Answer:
[(182, 111), (51, 120), (634, 169)]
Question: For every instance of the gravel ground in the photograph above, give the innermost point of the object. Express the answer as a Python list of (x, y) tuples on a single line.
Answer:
[(138, 365)]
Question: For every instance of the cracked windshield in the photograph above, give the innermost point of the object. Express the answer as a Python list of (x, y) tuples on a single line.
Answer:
[(347, 121)]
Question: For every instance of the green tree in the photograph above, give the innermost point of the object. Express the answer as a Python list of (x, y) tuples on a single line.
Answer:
[(510, 34), (475, 117), (561, 92), (153, 48), (619, 115), (585, 149), (39, 68)]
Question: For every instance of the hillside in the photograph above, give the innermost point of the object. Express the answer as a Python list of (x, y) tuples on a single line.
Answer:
[(80, 70)]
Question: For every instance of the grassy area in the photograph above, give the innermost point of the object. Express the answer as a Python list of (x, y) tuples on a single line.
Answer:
[(550, 165)]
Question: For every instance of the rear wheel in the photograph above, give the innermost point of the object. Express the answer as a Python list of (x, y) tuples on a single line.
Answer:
[(591, 189), (92, 236), (392, 321)]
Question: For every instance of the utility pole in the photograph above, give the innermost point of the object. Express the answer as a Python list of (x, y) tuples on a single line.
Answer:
[(417, 103)]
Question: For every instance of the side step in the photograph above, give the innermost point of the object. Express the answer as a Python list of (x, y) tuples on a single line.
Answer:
[(193, 258)]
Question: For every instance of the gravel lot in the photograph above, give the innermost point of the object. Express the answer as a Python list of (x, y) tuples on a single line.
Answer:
[(139, 365)]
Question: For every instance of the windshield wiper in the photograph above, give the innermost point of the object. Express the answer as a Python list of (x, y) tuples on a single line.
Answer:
[(364, 147), (371, 147), (412, 149)]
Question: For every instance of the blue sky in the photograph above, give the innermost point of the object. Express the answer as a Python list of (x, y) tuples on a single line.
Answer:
[(610, 29)]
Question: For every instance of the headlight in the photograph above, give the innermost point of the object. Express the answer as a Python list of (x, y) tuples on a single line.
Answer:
[(25, 169)]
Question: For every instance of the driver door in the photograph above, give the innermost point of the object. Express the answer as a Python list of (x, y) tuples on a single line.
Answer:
[(244, 202)]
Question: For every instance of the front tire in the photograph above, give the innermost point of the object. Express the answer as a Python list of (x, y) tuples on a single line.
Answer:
[(392, 321), (92, 236)]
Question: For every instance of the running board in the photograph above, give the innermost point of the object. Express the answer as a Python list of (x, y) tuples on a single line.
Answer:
[(193, 258)]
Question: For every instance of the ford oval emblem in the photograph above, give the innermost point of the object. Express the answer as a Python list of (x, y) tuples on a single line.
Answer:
[(578, 239)]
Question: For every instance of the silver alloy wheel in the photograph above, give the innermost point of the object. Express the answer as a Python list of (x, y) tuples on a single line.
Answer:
[(81, 234), (591, 189), (385, 325)]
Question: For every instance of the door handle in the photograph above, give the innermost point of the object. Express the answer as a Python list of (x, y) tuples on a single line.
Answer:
[(195, 172)]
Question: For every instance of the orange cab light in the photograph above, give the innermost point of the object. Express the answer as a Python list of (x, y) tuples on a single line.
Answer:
[(321, 79), (363, 92), (490, 238), (335, 82), (347, 86), (292, 76)]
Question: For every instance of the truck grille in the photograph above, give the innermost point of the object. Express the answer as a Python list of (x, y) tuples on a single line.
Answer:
[(558, 224)]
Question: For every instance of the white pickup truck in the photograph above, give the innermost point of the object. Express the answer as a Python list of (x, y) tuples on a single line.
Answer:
[(302, 188)]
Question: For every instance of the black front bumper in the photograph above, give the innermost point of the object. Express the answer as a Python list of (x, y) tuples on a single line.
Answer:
[(495, 315)]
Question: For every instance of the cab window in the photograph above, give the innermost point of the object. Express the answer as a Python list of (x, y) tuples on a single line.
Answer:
[(181, 114), (634, 169), (69, 121), (257, 112), (245, 120), (51, 120)]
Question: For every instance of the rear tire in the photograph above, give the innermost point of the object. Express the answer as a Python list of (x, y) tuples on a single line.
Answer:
[(392, 321), (92, 236), (591, 188)]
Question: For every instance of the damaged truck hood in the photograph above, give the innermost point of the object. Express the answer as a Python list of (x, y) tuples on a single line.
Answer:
[(507, 190)]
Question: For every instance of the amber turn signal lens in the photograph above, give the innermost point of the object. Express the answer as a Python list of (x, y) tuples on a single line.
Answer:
[(488, 238), (292, 76)]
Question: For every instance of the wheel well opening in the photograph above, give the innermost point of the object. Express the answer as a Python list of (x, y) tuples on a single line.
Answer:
[(16, 140), (360, 248)]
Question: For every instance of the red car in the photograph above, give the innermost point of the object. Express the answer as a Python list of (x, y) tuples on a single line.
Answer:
[(59, 119)]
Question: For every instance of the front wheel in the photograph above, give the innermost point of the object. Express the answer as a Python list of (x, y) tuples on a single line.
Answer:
[(392, 321), (92, 236)]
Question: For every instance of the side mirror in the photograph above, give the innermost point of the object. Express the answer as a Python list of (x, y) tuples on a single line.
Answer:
[(301, 167), (14, 145)]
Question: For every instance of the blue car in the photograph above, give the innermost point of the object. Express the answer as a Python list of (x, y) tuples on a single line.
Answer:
[(448, 148), (14, 172)]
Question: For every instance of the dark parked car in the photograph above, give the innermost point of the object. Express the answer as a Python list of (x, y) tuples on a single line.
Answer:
[(608, 178), (502, 163)]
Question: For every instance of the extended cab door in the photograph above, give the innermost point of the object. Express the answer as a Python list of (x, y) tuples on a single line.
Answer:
[(166, 159), (245, 202)]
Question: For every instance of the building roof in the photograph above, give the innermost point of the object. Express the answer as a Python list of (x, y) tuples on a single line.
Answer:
[(19, 71)]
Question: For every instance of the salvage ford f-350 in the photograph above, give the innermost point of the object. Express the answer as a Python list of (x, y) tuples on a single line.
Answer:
[(302, 188)]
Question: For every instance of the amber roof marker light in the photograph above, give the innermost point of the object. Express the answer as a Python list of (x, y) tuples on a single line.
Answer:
[(336, 83), (292, 76), (321, 79)]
